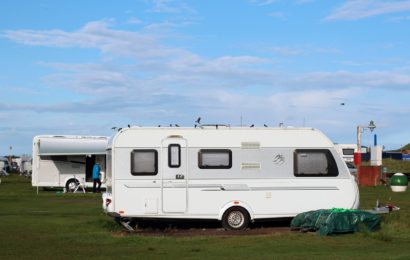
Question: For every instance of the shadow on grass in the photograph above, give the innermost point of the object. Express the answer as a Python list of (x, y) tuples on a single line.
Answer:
[(174, 227)]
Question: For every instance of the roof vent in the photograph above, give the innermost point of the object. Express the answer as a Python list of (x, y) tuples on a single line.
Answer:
[(250, 145), (250, 166), (174, 136)]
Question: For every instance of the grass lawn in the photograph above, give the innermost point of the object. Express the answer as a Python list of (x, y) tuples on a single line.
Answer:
[(52, 225), (394, 166)]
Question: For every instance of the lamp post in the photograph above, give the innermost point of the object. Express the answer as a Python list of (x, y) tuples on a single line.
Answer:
[(360, 130), (10, 158)]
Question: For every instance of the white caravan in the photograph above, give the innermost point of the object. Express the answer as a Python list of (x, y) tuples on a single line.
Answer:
[(4, 166), (3, 163), (346, 151), (235, 175), (26, 165), (66, 161)]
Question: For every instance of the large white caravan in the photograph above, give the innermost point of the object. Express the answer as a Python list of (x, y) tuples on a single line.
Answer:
[(66, 161), (235, 175)]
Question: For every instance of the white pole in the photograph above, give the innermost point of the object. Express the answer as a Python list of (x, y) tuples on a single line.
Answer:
[(359, 139)]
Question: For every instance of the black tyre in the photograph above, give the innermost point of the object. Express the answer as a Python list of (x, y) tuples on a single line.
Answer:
[(71, 185), (235, 218)]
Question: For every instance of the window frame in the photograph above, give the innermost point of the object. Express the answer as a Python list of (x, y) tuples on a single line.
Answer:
[(170, 165), (333, 170), (351, 151), (221, 151), (133, 173)]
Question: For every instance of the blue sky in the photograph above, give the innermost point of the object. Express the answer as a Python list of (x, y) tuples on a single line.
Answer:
[(82, 67)]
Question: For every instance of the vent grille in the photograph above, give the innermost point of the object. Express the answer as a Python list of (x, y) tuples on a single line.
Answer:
[(250, 145), (250, 166)]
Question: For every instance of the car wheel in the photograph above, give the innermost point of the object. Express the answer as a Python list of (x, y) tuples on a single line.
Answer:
[(235, 218), (71, 185)]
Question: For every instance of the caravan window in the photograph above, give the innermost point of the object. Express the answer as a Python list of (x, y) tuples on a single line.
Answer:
[(74, 159), (311, 163), (215, 159), (348, 151), (174, 155), (144, 162)]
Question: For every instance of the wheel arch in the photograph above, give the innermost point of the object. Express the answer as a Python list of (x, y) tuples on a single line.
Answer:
[(236, 203), (69, 178)]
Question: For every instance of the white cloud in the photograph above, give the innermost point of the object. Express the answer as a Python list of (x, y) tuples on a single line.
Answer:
[(278, 15), (287, 51), (302, 2), (381, 79), (297, 50), (359, 9), (270, 2), (400, 19), (170, 6), (265, 2), (160, 67), (98, 35), (312, 99), (134, 20)]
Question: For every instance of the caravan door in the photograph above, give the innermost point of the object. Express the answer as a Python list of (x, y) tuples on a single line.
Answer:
[(174, 175)]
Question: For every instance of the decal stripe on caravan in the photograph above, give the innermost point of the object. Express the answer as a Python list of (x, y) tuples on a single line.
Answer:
[(236, 187)]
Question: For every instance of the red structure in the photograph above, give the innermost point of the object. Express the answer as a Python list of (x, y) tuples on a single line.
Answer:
[(369, 175), (357, 157)]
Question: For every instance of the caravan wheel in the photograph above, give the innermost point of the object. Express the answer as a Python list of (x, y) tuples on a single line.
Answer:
[(235, 218), (71, 185)]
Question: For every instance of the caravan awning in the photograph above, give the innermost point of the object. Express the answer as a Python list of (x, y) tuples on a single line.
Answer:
[(72, 146)]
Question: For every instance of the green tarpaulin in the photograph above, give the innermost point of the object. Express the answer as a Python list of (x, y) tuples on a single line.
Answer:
[(335, 221)]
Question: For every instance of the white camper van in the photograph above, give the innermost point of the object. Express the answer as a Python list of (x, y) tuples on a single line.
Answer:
[(346, 151), (3, 163), (26, 166), (4, 166), (66, 161), (235, 175)]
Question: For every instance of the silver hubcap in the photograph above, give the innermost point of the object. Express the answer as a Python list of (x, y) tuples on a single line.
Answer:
[(71, 186), (236, 219)]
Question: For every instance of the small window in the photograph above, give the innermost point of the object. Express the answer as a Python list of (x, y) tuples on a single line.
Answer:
[(348, 151), (144, 162), (314, 163), (174, 155), (215, 159)]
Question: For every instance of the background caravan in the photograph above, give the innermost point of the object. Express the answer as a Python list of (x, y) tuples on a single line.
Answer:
[(235, 175), (65, 161), (346, 151)]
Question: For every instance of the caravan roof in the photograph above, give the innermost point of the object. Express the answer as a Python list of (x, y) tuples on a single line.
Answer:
[(223, 137)]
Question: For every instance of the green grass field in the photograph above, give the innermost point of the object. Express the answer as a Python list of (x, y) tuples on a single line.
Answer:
[(52, 225), (394, 166)]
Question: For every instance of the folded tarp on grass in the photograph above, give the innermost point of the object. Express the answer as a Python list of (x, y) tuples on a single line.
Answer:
[(335, 221)]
